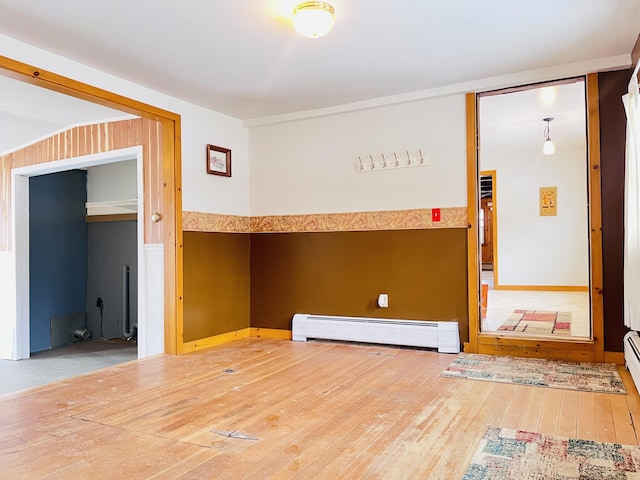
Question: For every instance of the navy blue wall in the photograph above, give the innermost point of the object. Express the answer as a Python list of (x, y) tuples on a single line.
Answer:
[(57, 250)]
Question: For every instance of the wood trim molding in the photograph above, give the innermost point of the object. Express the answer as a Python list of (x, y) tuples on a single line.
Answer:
[(473, 260), (203, 343), (614, 357), (494, 227), (571, 350), (236, 335), (119, 217), (544, 288), (171, 171), (595, 213), (58, 83), (271, 333)]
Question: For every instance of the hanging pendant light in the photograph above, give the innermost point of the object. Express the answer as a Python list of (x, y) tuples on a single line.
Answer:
[(548, 148), (313, 19)]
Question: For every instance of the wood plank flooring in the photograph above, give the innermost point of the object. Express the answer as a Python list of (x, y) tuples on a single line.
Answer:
[(319, 411)]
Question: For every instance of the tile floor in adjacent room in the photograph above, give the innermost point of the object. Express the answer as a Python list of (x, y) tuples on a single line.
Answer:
[(63, 362)]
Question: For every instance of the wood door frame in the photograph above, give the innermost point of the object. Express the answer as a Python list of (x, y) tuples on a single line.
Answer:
[(171, 169), (492, 343), (494, 220)]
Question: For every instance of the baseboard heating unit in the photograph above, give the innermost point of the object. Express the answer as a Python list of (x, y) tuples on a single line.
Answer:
[(413, 333), (632, 355)]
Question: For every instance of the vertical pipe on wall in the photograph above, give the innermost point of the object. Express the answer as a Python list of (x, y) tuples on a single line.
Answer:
[(125, 299), (128, 332)]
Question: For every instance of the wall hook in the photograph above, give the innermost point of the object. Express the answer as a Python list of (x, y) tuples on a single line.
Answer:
[(392, 159)]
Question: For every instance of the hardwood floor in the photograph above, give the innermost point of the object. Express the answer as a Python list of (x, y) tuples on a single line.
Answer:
[(319, 411)]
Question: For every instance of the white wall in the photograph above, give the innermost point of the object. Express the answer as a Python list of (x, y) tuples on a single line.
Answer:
[(535, 250), (308, 166), (8, 347), (112, 182), (201, 192)]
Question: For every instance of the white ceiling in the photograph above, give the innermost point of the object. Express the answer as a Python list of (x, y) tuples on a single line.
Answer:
[(242, 57), (515, 120), (28, 113)]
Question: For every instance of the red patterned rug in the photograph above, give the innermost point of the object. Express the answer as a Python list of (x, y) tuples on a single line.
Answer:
[(507, 454), (538, 322)]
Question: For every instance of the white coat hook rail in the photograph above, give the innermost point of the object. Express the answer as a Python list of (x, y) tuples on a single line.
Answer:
[(370, 162)]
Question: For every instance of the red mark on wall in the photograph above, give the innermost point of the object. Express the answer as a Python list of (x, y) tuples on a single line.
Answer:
[(435, 214)]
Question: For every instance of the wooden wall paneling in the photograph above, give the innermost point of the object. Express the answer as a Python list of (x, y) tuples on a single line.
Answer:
[(151, 174)]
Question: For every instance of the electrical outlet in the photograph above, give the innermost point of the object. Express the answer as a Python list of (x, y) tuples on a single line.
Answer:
[(100, 302), (383, 300)]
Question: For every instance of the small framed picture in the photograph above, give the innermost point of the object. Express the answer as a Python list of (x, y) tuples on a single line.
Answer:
[(218, 161), (548, 201)]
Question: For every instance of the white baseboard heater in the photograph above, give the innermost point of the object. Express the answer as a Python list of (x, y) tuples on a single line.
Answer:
[(632, 355), (414, 333)]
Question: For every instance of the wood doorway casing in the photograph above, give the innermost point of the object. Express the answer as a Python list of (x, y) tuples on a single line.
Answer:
[(171, 172), (491, 343), (493, 208)]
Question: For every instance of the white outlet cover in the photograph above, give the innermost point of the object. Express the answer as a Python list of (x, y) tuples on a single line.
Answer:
[(383, 300)]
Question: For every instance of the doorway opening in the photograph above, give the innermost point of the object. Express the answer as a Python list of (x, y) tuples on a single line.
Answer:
[(162, 222), (535, 275), (147, 323), (542, 283)]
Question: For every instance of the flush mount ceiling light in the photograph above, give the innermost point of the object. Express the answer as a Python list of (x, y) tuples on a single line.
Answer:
[(313, 19), (548, 148)]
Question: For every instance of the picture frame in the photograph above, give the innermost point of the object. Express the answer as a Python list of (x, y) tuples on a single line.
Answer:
[(218, 160), (548, 201)]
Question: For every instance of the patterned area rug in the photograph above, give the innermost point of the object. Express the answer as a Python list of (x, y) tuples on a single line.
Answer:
[(588, 377), (508, 454), (538, 322)]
